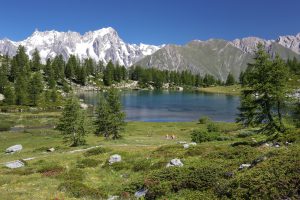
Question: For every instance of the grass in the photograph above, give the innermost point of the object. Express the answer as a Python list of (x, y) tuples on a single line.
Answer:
[(230, 90), (85, 174)]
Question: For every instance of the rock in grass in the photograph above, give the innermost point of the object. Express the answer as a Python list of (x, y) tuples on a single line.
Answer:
[(113, 197), (84, 106), (258, 160), (51, 149), (186, 146), (175, 163), (14, 164), (193, 143), (14, 148), (141, 193), (2, 97), (115, 158), (243, 166)]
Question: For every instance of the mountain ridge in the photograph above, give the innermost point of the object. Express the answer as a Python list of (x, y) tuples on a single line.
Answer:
[(217, 57)]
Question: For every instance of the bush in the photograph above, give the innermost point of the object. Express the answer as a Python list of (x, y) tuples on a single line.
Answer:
[(95, 151), (203, 136), (168, 151), (167, 180), (118, 166), (79, 190), (204, 120), (73, 175), (141, 165), (87, 163), (187, 194), (275, 178), (212, 127), (49, 168)]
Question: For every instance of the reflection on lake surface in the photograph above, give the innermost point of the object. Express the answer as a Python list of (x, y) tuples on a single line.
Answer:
[(158, 106)]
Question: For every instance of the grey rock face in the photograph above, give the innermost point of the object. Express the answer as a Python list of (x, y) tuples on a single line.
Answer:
[(14, 148), (14, 164), (115, 158)]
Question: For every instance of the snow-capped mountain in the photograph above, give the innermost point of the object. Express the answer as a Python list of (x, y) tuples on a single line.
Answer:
[(103, 44), (249, 44)]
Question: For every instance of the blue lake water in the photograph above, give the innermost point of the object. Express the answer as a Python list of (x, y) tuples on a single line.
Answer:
[(172, 106)]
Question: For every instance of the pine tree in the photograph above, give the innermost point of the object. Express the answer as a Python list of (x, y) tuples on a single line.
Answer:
[(50, 76), (230, 79), (36, 61), (108, 74), (74, 123), (70, 67), (58, 66), (9, 94), (35, 88), (264, 93), (109, 115), (4, 74), (103, 118), (21, 90)]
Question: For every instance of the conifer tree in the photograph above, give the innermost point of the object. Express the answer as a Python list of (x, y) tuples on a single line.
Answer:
[(36, 61), (35, 88), (70, 67), (21, 91), (108, 74), (9, 95), (264, 93), (109, 115), (74, 124), (4, 74), (230, 79)]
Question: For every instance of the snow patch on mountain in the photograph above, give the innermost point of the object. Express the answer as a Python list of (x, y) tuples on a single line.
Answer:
[(104, 44)]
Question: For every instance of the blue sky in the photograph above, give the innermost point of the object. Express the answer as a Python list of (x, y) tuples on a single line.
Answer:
[(153, 21)]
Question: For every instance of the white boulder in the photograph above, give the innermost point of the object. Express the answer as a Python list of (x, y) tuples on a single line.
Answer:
[(175, 163), (242, 166), (115, 158), (14, 148), (186, 146), (84, 106), (2, 97), (14, 164)]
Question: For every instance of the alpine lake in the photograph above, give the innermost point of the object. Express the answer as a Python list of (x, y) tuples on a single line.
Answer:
[(172, 106)]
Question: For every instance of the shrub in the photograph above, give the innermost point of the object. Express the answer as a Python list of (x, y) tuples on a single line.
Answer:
[(203, 136), (244, 134), (118, 166), (275, 178), (49, 168), (204, 120), (95, 151), (87, 163), (187, 194), (168, 151), (167, 180), (79, 190), (212, 127), (141, 165), (73, 175)]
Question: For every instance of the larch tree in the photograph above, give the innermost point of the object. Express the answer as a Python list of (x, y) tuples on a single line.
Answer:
[(109, 115), (265, 93), (74, 124)]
